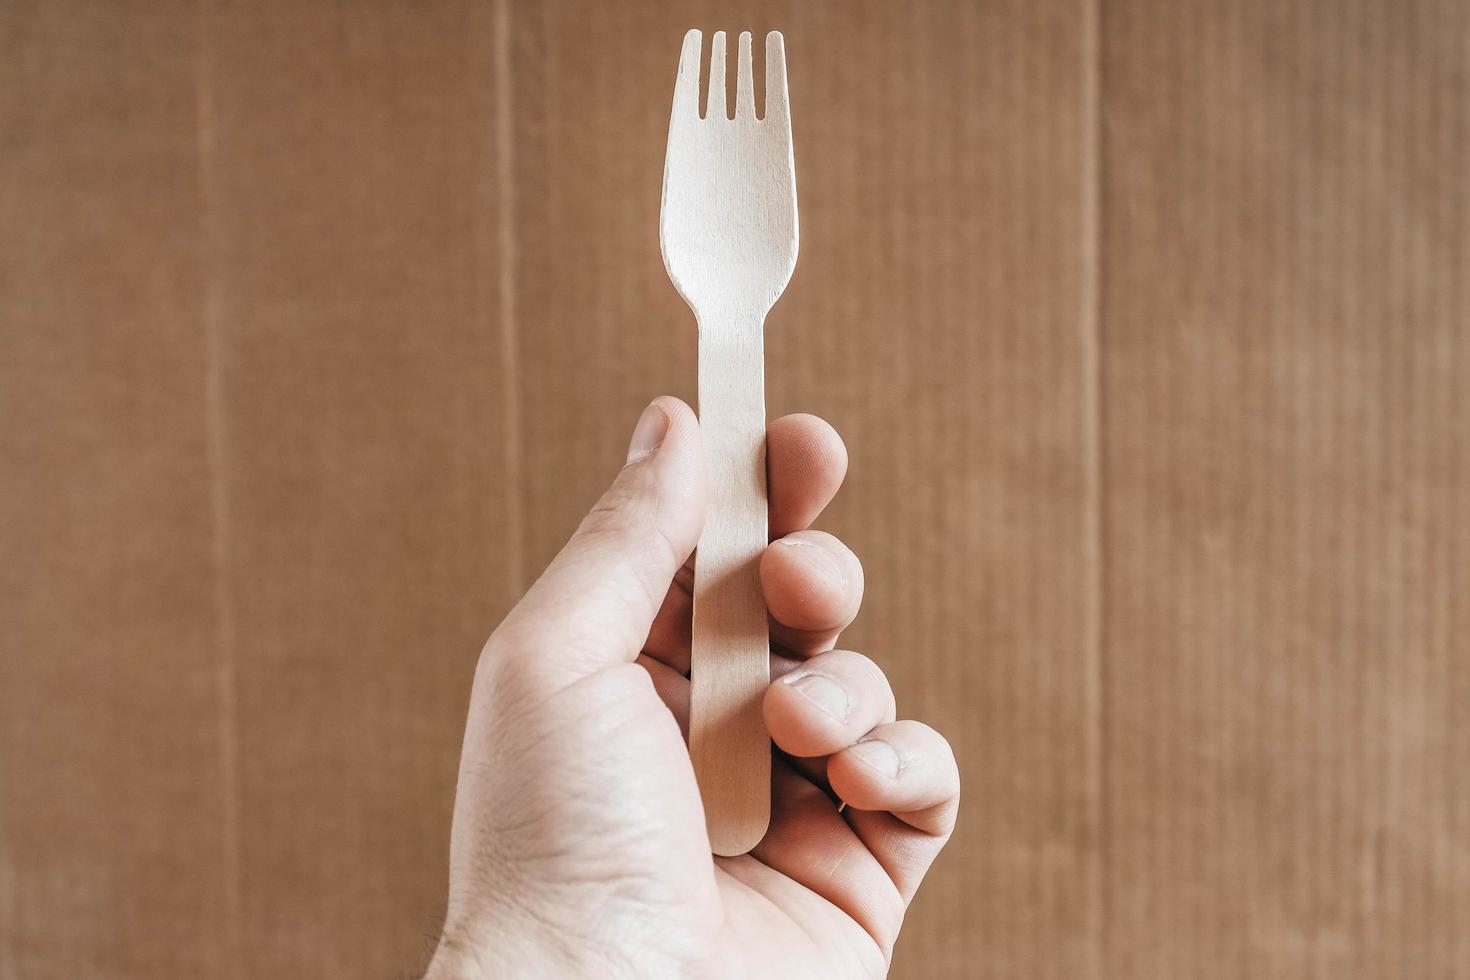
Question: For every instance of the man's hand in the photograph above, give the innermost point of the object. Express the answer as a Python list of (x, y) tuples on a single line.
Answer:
[(579, 845)]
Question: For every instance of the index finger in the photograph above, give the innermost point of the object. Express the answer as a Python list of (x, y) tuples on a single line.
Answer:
[(805, 464)]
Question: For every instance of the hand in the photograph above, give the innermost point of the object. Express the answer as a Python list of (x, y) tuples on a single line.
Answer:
[(579, 845)]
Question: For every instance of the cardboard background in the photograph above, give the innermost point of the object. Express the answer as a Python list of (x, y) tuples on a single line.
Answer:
[(1146, 324)]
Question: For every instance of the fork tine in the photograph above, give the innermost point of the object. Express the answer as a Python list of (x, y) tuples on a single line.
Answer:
[(777, 106), (714, 105), (744, 81), (686, 85)]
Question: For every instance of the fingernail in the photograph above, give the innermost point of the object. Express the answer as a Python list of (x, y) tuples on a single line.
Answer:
[(877, 755), (826, 694), (648, 434)]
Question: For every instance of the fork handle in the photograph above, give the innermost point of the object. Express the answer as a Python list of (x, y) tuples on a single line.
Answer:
[(730, 650)]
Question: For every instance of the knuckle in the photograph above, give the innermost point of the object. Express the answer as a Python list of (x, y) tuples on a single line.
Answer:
[(940, 755), (850, 660), (862, 668), (615, 514), (937, 742), (623, 516)]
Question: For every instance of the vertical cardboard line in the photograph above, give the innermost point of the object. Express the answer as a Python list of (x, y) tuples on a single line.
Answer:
[(513, 457), (1093, 390), (9, 897), (216, 429)]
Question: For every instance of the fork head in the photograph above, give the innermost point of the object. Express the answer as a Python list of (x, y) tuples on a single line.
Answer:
[(728, 225)]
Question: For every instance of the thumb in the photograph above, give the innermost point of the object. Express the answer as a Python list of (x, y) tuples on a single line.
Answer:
[(594, 604)]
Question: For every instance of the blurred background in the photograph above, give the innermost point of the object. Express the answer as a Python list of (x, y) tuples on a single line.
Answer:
[(1147, 325)]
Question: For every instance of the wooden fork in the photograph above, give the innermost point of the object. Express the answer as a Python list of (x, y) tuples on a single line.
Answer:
[(729, 238)]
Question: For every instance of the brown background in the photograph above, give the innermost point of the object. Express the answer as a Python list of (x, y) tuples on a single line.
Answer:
[(1146, 323)]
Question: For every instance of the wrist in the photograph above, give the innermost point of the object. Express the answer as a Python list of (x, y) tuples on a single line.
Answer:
[(479, 952), (452, 963), (498, 954)]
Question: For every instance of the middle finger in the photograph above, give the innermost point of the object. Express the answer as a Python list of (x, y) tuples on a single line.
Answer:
[(813, 586)]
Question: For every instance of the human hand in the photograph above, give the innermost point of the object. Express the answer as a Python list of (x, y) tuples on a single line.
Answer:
[(579, 844)]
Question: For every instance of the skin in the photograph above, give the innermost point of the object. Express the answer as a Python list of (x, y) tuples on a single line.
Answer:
[(578, 846)]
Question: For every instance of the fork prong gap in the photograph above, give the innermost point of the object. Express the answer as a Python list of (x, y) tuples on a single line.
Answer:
[(718, 98), (758, 77)]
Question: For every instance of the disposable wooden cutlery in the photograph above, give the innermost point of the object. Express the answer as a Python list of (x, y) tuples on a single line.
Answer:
[(729, 235)]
